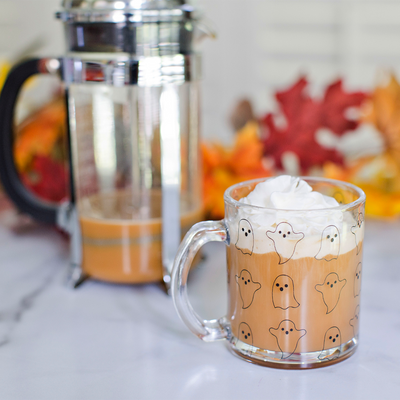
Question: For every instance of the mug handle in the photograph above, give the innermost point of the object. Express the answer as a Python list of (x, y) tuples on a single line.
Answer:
[(197, 236)]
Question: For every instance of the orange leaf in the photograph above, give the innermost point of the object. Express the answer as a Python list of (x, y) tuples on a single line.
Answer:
[(383, 111), (223, 167), (38, 134), (247, 153)]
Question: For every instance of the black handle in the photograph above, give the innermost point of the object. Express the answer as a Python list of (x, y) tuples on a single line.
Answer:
[(23, 199)]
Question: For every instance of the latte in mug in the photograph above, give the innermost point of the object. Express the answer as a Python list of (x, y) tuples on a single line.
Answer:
[(302, 271)]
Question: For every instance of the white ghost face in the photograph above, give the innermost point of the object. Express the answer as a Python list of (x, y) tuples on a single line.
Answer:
[(245, 333), (357, 280), (287, 337), (245, 239), (330, 290), (247, 288), (355, 321), (330, 244), (285, 241), (332, 339), (283, 293), (357, 231)]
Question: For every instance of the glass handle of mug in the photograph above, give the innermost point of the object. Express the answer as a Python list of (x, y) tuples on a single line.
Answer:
[(198, 236)]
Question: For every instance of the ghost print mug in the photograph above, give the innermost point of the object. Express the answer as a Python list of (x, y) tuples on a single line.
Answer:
[(294, 272)]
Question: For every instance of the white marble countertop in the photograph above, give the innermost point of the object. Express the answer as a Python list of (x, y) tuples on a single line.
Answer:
[(104, 341)]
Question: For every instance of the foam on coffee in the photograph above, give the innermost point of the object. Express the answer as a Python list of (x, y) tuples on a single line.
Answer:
[(317, 225)]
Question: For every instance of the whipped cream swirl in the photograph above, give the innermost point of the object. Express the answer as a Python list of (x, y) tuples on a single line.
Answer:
[(293, 201), (288, 193)]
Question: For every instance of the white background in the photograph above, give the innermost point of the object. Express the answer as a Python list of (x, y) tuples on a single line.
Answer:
[(262, 45)]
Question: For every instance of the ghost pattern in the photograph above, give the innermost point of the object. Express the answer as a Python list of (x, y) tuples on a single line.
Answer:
[(245, 333), (330, 244), (247, 288), (332, 339), (287, 337), (354, 322), (357, 280), (283, 293), (285, 241), (330, 290), (356, 231), (245, 239)]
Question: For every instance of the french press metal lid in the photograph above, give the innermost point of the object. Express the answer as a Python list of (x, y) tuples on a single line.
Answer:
[(137, 27)]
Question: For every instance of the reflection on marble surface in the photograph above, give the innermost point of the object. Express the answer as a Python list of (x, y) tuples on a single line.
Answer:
[(105, 341)]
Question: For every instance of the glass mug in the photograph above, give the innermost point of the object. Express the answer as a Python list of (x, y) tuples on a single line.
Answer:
[(294, 285)]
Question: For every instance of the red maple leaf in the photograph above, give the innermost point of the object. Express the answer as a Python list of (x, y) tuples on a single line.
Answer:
[(48, 179), (335, 104), (304, 116)]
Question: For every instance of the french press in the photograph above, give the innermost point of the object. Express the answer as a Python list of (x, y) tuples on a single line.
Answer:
[(131, 79)]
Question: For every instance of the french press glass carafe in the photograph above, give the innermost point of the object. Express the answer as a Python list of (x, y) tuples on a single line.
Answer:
[(131, 79)]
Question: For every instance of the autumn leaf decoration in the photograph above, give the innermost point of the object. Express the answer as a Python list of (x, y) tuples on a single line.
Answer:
[(40, 152), (303, 116), (261, 145), (383, 112), (378, 175), (48, 179), (223, 167)]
